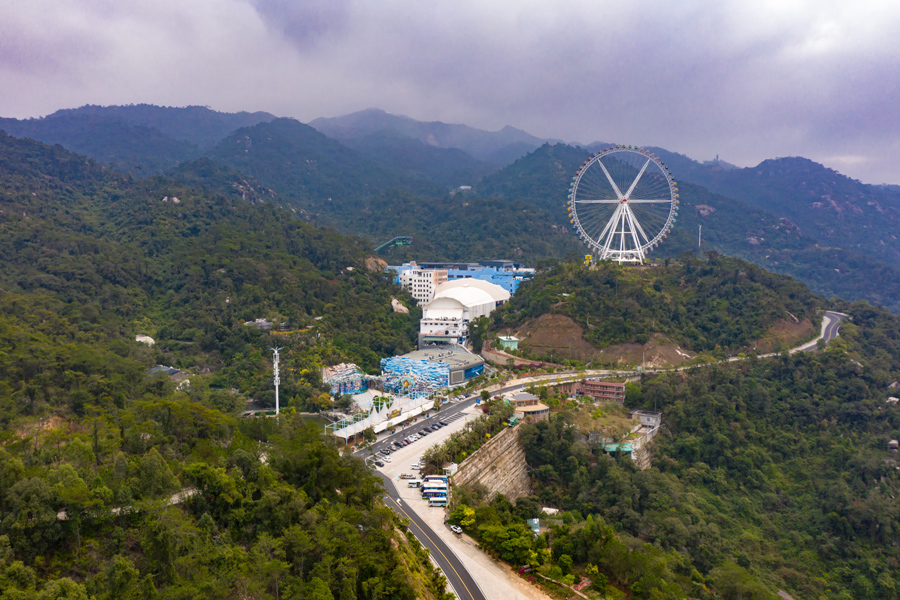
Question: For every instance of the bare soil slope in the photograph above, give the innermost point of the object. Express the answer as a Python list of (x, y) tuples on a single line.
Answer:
[(786, 333), (563, 337)]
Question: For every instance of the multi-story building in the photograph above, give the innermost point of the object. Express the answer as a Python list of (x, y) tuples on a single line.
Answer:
[(422, 282), (605, 391), (445, 320), (504, 273)]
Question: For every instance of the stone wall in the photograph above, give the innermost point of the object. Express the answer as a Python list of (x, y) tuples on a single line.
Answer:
[(499, 465)]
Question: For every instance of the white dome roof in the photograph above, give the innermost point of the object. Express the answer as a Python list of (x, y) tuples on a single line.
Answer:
[(471, 292)]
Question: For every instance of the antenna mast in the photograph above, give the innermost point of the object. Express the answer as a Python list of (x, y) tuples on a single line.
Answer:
[(699, 235), (277, 379)]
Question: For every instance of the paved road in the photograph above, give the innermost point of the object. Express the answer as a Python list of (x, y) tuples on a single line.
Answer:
[(831, 329), (460, 579)]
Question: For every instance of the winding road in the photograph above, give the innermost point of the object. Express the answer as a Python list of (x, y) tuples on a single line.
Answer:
[(462, 582)]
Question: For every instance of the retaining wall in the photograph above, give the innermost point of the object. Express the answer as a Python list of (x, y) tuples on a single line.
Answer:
[(499, 465)]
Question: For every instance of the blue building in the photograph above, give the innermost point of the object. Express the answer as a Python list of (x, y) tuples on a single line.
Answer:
[(504, 273)]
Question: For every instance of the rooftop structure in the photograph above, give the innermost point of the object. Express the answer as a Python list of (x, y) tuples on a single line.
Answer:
[(505, 273), (523, 399), (260, 323), (430, 369)]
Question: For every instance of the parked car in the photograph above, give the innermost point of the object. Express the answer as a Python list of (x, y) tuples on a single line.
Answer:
[(379, 463), (415, 467), (456, 529), (444, 423)]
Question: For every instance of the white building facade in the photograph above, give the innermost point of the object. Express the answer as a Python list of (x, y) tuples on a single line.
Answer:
[(421, 283), (445, 320)]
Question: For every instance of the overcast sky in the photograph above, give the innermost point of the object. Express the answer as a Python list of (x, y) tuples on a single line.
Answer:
[(744, 80)]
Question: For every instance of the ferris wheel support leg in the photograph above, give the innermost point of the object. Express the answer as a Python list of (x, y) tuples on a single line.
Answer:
[(635, 228), (614, 222)]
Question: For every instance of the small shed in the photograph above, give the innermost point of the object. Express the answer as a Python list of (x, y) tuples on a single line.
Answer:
[(509, 342)]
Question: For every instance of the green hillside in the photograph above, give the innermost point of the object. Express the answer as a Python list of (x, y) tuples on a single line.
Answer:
[(116, 484), (447, 167), (767, 475), (718, 305), (190, 273)]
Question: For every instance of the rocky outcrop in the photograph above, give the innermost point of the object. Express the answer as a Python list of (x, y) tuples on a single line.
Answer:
[(499, 465)]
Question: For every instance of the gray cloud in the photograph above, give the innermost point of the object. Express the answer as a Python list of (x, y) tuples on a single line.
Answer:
[(748, 81), (307, 21)]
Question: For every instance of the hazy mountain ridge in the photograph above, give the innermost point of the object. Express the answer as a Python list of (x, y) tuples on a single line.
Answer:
[(489, 146), (791, 215), (125, 146), (448, 167), (835, 209), (142, 138), (198, 125), (309, 170)]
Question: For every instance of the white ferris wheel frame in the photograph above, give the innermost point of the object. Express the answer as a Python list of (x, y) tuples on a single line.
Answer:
[(621, 240)]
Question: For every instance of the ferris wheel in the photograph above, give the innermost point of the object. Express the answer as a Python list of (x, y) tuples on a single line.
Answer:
[(623, 202)]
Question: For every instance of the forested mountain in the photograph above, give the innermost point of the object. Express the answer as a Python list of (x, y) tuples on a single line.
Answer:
[(328, 183), (116, 484), (188, 268), (718, 305), (730, 227), (768, 475), (310, 171), (125, 146), (832, 208), (497, 147), (791, 216), (447, 167), (142, 138)]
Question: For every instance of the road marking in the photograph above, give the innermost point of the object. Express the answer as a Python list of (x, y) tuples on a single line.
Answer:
[(438, 548)]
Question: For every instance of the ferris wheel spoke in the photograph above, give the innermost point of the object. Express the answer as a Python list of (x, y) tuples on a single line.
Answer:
[(636, 179), (641, 201), (640, 229), (614, 201), (609, 177)]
